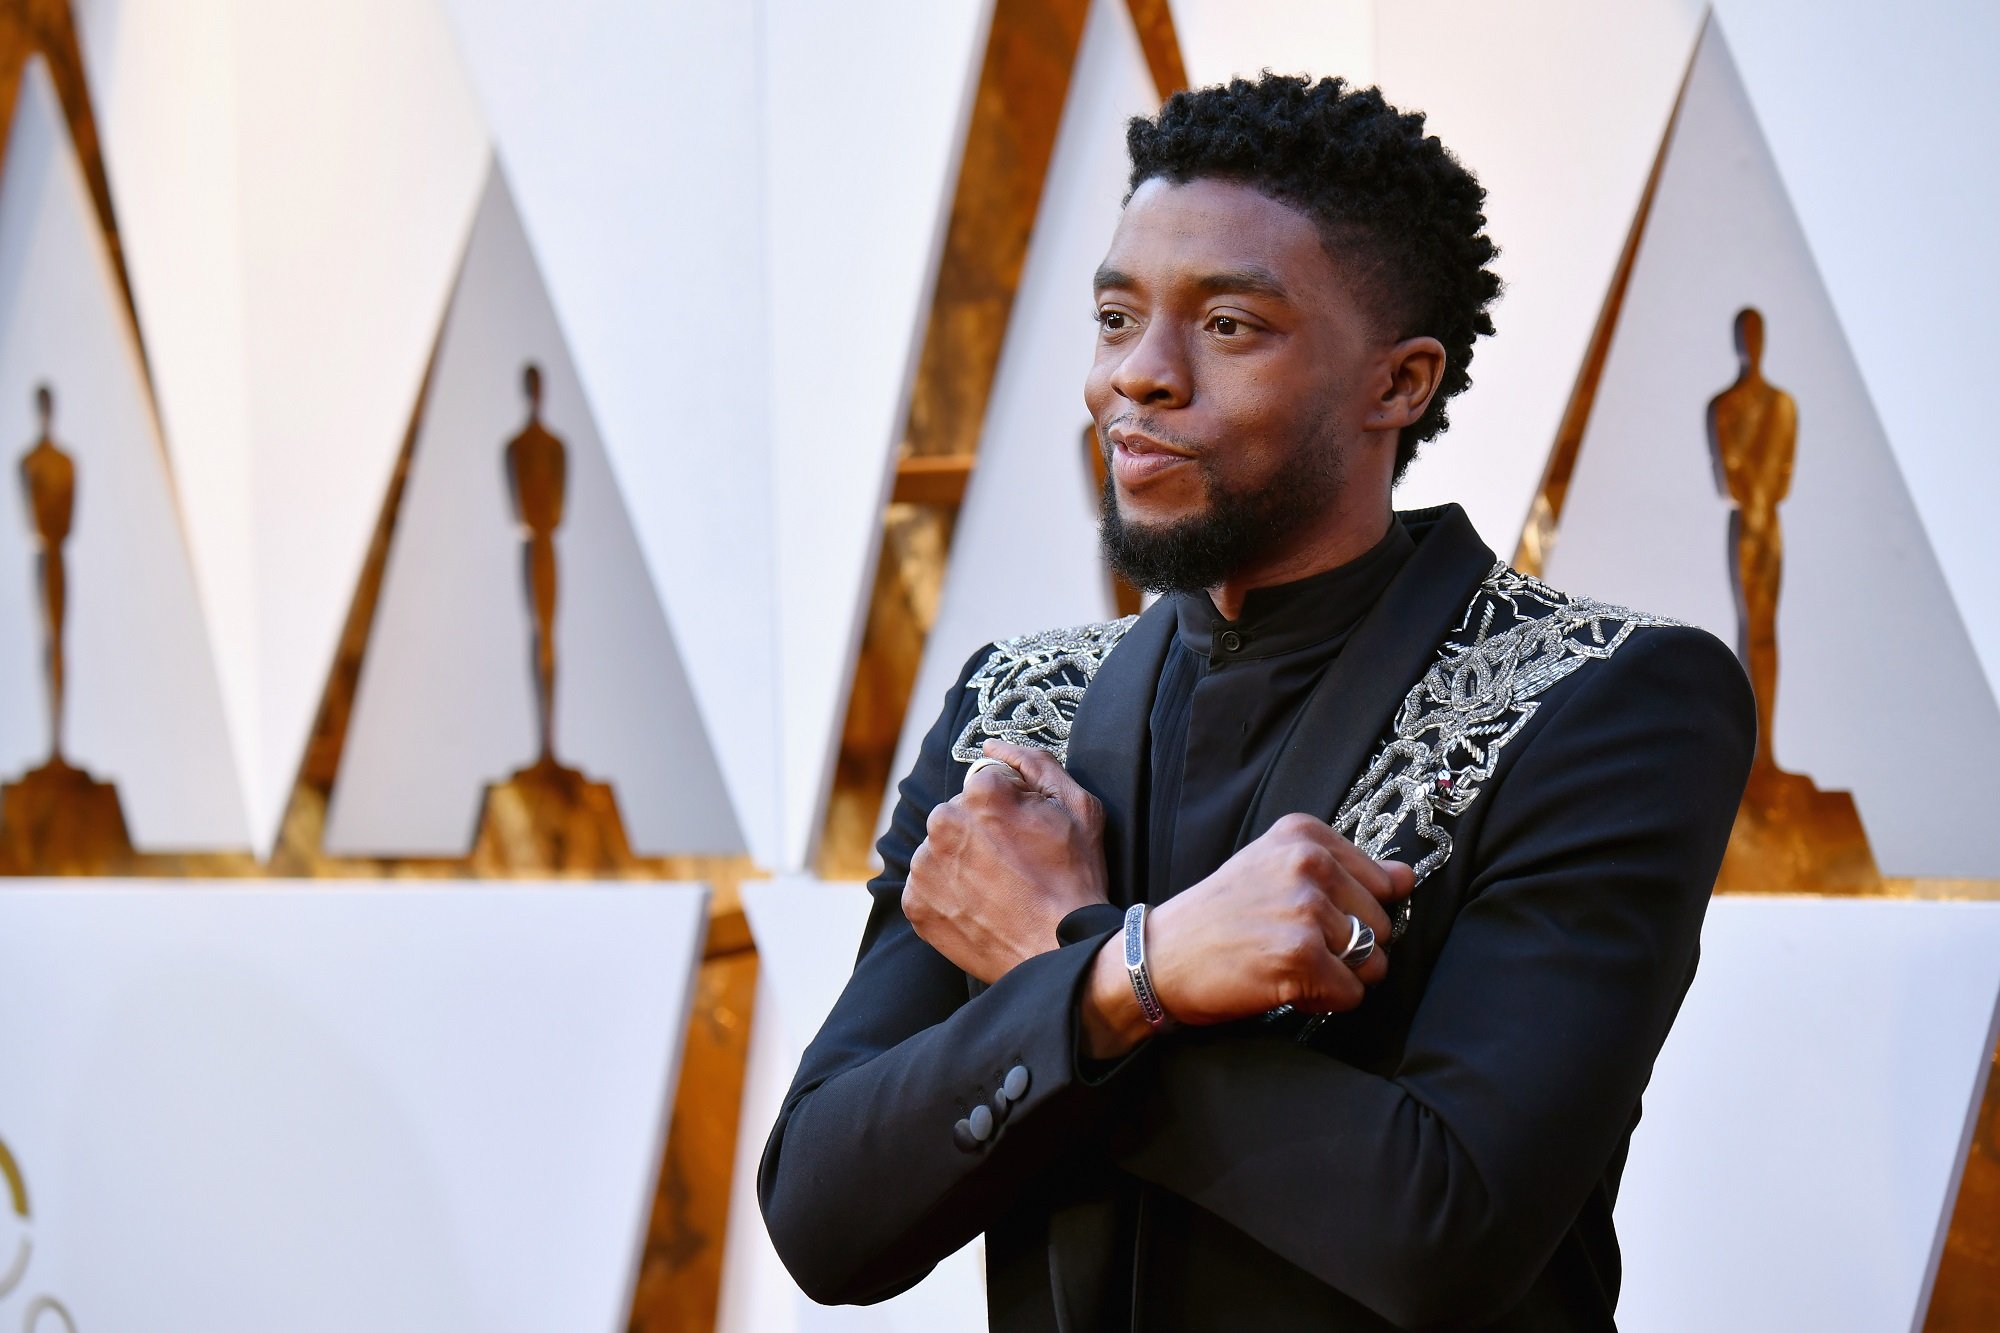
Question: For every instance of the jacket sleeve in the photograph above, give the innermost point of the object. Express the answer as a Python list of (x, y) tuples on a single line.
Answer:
[(1437, 1194), (868, 1178)]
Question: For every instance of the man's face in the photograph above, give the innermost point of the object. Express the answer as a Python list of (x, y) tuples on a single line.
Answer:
[(1231, 381)]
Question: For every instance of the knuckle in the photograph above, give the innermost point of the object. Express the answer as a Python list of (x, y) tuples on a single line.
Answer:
[(1309, 862), (1302, 825)]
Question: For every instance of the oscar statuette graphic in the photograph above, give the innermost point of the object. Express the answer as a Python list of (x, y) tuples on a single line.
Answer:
[(1790, 836), (57, 819), (547, 816)]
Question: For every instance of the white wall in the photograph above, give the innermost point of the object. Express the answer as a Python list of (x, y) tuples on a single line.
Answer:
[(445, 703), (1872, 655), (1881, 119), (144, 708), (332, 1109), (1803, 1137)]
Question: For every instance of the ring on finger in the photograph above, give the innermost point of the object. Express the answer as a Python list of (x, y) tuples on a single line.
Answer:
[(1360, 945)]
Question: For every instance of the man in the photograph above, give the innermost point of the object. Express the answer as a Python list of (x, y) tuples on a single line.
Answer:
[(1294, 955)]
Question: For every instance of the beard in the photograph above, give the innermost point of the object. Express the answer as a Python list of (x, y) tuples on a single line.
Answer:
[(1236, 528)]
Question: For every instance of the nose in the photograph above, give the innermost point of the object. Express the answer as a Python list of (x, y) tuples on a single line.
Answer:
[(1154, 371)]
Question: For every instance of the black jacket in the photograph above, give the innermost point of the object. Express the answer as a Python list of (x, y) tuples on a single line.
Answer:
[(1448, 1154)]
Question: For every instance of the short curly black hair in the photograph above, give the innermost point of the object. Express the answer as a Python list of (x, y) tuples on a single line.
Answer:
[(1400, 214)]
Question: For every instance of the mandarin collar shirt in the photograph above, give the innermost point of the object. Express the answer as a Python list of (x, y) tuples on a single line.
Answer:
[(1229, 694)]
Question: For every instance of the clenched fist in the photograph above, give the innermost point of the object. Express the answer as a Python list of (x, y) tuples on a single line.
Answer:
[(1004, 861), (1266, 929)]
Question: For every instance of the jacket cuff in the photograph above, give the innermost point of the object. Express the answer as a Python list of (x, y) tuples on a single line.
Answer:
[(1098, 919)]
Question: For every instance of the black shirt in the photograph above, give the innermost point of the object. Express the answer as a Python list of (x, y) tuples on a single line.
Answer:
[(1228, 695)]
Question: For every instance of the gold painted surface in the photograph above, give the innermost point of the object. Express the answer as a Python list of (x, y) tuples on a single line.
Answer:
[(1790, 836), (1538, 533), (547, 816), (1030, 50), (1966, 1298), (47, 28), (57, 819), (680, 1269), (1153, 20)]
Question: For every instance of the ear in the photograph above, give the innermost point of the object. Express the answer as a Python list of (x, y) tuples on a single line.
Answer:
[(1410, 374)]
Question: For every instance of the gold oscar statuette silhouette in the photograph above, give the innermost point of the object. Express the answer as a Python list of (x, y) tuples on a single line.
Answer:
[(1790, 837), (57, 819), (547, 816)]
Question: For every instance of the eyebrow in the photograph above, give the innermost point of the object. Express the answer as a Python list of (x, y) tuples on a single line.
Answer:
[(1250, 281)]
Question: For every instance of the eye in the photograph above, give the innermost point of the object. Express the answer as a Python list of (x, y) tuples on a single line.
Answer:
[(1111, 321), (1225, 325)]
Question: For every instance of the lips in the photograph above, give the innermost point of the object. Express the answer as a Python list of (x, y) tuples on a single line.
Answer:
[(1137, 459)]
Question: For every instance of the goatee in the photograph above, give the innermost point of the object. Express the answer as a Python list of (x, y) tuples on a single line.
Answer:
[(1235, 529)]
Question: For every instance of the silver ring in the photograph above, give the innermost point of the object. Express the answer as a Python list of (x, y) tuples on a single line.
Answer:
[(1360, 945), (988, 761)]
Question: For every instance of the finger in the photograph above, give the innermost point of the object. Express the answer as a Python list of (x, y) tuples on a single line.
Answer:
[(1346, 901), (993, 779), (1336, 988), (1044, 774)]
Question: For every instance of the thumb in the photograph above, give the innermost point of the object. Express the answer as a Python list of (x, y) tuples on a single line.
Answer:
[(1041, 773)]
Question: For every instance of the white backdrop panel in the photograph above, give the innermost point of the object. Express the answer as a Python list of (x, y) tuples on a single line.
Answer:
[(1226, 39), (1878, 682), (163, 85), (1914, 273), (1807, 1121), (807, 932), (334, 1109), (144, 706), (360, 159), (445, 703), (1558, 106), (1024, 556), (632, 134), (853, 236)]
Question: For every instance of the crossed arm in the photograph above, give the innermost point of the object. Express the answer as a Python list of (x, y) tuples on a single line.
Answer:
[(1436, 1191)]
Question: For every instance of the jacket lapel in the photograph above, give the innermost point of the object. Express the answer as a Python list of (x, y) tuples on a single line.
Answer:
[(1351, 707), (1109, 743)]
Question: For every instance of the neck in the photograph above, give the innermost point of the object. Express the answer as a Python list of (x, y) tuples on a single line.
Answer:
[(1342, 537)]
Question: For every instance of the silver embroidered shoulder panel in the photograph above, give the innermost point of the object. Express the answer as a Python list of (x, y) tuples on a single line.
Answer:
[(1517, 638), (1029, 687)]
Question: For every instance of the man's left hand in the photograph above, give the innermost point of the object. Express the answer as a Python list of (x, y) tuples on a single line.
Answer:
[(1004, 861)]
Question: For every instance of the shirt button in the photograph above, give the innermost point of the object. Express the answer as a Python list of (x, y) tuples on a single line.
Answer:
[(1231, 641)]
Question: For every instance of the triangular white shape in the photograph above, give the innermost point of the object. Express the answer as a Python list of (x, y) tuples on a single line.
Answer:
[(853, 234), (144, 706), (330, 213), (1224, 39), (633, 142), (1558, 107), (1024, 554), (1880, 692), (163, 85), (1913, 272), (445, 701)]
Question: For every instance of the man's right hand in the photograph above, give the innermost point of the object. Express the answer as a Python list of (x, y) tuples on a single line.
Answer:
[(1266, 929)]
